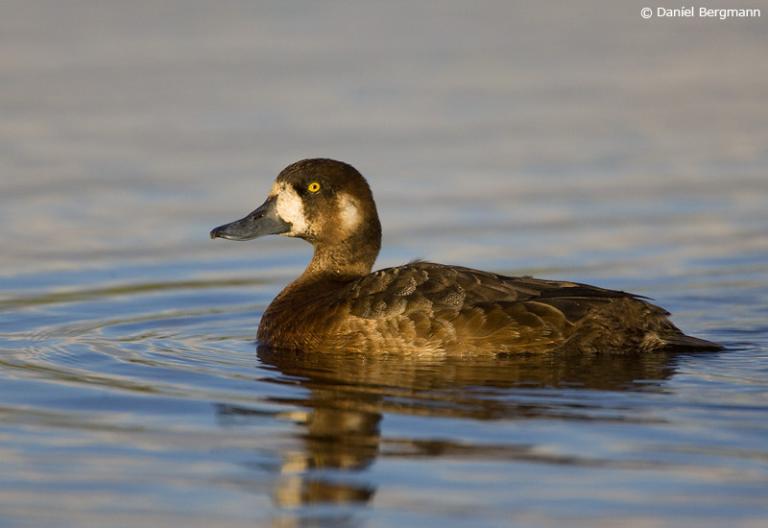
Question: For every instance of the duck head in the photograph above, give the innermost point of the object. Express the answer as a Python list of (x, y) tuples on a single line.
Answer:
[(327, 203)]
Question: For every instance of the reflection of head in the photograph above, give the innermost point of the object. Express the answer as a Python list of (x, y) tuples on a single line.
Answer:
[(338, 433), (334, 438)]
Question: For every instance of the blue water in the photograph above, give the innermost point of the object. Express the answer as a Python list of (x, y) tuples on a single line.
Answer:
[(567, 141)]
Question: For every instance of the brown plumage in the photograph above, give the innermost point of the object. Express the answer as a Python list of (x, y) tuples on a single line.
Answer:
[(421, 307)]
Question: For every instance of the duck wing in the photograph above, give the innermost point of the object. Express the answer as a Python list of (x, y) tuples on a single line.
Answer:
[(443, 307), (429, 302)]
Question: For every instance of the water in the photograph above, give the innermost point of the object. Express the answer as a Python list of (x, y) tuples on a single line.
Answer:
[(567, 141)]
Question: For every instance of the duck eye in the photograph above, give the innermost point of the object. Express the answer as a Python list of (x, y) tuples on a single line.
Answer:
[(313, 187)]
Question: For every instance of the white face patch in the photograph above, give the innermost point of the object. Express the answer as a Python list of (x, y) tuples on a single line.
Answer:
[(349, 213), (290, 208)]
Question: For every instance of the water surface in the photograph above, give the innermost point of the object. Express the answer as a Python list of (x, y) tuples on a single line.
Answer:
[(567, 141)]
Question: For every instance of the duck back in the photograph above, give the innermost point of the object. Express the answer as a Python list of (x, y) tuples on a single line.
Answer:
[(427, 308)]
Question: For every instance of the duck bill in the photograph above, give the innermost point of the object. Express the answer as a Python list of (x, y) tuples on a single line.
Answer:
[(262, 221)]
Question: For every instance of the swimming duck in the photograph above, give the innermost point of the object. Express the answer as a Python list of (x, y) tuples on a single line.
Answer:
[(338, 304)]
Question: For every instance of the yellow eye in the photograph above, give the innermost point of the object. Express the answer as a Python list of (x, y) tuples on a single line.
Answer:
[(313, 187)]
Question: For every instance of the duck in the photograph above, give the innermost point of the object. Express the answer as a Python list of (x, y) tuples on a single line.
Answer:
[(339, 304)]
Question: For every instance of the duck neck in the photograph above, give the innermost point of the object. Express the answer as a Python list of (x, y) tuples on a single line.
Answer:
[(344, 253), (343, 261)]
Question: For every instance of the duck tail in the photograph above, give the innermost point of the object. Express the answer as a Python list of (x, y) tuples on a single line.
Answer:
[(690, 343)]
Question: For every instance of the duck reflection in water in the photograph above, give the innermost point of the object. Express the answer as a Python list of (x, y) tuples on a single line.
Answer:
[(339, 419)]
